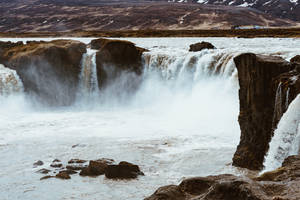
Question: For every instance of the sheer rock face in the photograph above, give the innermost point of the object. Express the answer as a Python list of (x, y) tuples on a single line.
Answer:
[(114, 57), (49, 70), (257, 102), (280, 184)]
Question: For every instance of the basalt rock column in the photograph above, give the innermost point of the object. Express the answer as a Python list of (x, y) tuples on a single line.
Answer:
[(49, 70), (257, 101)]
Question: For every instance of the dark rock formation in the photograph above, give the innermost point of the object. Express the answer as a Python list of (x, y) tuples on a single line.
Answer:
[(200, 46), (63, 175), (257, 102), (123, 170), (95, 168), (296, 59), (281, 184), (38, 163), (76, 161), (49, 70), (114, 57), (44, 171)]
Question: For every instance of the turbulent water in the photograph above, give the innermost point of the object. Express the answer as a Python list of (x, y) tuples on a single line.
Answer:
[(181, 122), (286, 138)]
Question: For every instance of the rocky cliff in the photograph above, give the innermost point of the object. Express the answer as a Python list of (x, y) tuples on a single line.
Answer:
[(114, 57), (259, 78), (49, 70), (280, 184)]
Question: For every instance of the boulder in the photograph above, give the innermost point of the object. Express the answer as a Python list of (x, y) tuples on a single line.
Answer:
[(44, 171), (38, 163), (76, 161), (49, 70), (256, 75), (63, 175), (200, 46), (296, 59), (95, 168), (124, 170), (280, 184), (114, 57)]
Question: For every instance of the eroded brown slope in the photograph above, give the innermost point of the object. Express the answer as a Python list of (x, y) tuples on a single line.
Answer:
[(56, 16)]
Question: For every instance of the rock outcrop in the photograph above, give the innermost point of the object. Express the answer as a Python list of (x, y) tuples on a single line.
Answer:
[(200, 46), (49, 70), (281, 184), (296, 59), (257, 103), (124, 170), (114, 57)]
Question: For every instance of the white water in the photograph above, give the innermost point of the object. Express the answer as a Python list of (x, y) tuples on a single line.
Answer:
[(286, 139), (181, 122), (88, 90)]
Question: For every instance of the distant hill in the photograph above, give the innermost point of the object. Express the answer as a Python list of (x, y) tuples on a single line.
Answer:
[(99, 15)]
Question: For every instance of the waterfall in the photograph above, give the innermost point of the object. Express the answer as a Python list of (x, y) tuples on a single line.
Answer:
[(10, 82), (88, 81), (192, 65), (278, 105), (285, 141)]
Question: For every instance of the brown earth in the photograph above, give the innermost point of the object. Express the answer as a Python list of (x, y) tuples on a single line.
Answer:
[(250, 33), (62, 16)]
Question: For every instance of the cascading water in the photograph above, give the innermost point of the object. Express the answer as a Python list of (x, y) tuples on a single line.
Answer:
[(10, 82), (88, 81), (286, 139)]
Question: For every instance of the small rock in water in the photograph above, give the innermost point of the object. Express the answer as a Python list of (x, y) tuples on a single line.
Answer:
[(200, 46), (76, 167), (44, 171), (38, 163), (56, 165), (76, 161), (56, 160), (124, 170), (63, 175), (46, 177), (95, 168), (69, 171)]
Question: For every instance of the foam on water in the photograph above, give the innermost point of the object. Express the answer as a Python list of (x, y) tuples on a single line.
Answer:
[(180, 122)]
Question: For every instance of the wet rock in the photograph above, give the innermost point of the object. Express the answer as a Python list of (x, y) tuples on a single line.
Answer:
[(169, 192), (63, 175), (115, 57), (49, 70), (76, 161), (76, 167), (296, 59), (38, 163), (200, 46), (280, 184), (257, 101), (95, 168), (44, 171), (68, 171), (56, 165), (47, 177), (56, 160), (124, 170)]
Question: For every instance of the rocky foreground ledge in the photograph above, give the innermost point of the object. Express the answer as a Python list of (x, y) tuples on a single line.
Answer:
[(280, 184)]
